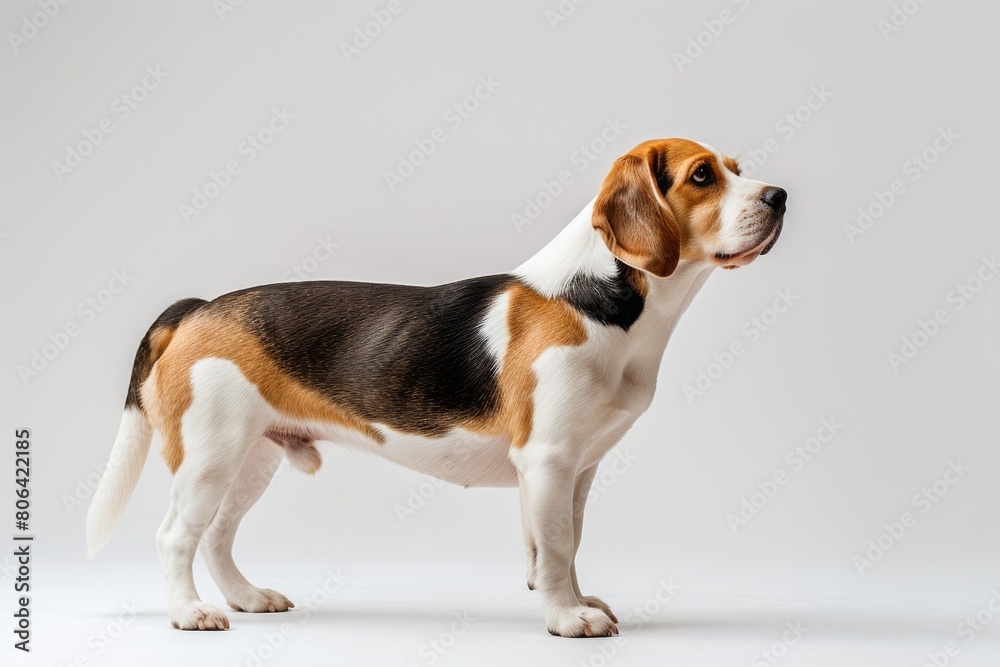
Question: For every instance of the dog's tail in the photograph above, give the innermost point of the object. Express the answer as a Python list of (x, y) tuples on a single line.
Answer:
[(128, 455)]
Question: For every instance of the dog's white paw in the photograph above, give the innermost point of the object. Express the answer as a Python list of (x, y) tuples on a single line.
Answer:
[(580, 621), (598, 603), (256, 600), (199, 615)]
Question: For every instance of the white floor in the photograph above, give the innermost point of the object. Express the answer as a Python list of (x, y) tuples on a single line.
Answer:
[(458, 616)]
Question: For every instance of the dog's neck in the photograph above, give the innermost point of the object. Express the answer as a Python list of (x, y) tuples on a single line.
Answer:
[(579, 254), (578, 250)]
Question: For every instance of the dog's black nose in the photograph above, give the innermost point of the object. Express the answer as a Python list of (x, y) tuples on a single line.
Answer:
[(774, 197)]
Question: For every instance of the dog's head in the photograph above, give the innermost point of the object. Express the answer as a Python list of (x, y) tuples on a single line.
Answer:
[(672, 199)]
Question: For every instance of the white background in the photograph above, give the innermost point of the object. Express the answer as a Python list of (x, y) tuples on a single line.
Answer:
[(663, 516)]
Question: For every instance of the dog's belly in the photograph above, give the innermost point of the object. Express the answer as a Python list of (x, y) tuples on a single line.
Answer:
[(460, 456)]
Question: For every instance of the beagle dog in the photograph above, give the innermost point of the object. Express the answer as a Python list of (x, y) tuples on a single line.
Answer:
[(522, 379)]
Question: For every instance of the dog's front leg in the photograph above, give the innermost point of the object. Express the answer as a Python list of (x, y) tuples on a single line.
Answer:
[(530, 545), (548, 488), (580, 493)]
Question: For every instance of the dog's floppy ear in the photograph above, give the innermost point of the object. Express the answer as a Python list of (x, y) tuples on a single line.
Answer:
[(635, 221)]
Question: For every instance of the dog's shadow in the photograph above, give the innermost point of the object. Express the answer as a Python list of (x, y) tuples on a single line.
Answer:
[(859, 625)]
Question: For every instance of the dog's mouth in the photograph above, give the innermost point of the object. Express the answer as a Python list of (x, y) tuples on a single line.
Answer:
[(774, 237), (743, 257)]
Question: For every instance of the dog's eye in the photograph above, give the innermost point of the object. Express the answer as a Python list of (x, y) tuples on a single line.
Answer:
[(702, 175)]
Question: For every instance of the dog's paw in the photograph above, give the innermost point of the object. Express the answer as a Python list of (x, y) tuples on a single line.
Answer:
[(580, 621), (199, 616), (598, 603), (257, 600)]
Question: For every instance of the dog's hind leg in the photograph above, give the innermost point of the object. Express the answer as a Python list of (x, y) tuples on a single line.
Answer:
[(225, 419), (217, 543)]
